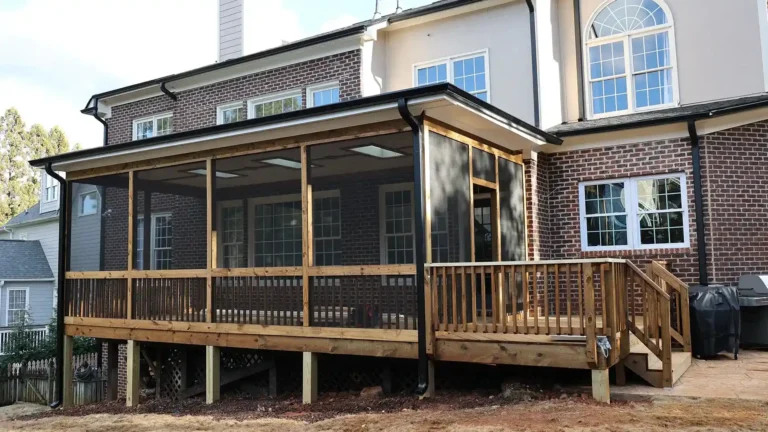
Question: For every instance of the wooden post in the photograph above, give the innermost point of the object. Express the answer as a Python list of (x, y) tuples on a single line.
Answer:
[(112, 369), (306, 222), (589, 314), (212, 374), (67, 385), (210, 169), (309, 379), (132, 374), (601, 389), (666, 344), (131, 217)]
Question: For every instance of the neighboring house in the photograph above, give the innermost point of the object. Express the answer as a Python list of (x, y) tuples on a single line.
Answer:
[(26, 283), (280, 187)]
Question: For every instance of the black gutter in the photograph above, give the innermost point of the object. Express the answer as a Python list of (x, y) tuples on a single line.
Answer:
[(95, 114), (698, 197), (418, 205), (60, 301), (168, 92), (315, 40), (534, 62), (442, 89), (579, 59)]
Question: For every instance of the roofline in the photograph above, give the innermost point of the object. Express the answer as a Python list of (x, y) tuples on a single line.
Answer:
[(682, 118), (28, 280), (303, 43), (31, 222), (445, 89), (426, 10)]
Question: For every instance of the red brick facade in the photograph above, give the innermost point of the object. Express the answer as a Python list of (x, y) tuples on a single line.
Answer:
[(196, 108)]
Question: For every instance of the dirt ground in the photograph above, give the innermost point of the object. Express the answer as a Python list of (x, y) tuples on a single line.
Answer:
[(348, 412)]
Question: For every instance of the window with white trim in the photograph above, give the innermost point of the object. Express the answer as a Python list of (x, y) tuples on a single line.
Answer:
[(18, 302), (233, 237), (630, 59), (139, 261), (157, 125), (230, 113), (397, 223), (51, 189), (322, 94), (468, 72), (327, 230), (634, 213), (274, 104), (162, 241), (89, 203)]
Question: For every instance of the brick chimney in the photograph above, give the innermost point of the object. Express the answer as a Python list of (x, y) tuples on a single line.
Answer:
[(230, 29)]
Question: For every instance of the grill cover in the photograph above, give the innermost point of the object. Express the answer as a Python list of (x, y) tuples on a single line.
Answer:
[(715, 321)]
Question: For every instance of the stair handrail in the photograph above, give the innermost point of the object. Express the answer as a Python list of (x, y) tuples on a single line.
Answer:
[(657, 270)]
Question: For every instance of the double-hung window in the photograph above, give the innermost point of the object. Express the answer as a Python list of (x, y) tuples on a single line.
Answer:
[(634, 213), (322, 94), (161, 241), (230, 113), (630, 58), (18, 302), (51, 189), (397, 229), (233, 237), (467, 72), (274, 104), (157, 125)]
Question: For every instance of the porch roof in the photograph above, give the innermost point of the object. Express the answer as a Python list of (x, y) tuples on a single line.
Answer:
[(444, 102)]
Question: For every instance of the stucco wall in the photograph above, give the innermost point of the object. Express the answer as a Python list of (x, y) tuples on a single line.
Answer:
[(503, 30)]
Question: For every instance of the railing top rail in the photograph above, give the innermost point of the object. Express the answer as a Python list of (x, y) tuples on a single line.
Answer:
[(522, 263), (648, 280), (668, 277)]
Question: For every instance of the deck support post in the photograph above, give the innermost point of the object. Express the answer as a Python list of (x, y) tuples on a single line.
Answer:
[(309, 378), (601, 389), (212, 374), (112, 370), (132, 374), (69, 390)]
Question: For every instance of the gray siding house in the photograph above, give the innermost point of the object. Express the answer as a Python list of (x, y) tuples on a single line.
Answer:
[(26, 282)]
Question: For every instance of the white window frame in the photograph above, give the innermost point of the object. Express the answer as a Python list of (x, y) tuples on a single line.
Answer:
[(50, 183), (154, 118), (152, 265), (383, 189), (311, 90), (222, 205), (140, 252), (227, 106), (270, 98), (80, 199), (626, 38), (276, 199), (632, 211), (153, 228), (448, 61), (8, 303)]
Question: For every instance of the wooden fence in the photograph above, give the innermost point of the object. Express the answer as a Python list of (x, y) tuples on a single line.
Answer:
[(36, 383)]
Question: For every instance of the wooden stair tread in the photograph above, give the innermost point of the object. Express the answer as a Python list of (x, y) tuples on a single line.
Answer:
[(649, 367)]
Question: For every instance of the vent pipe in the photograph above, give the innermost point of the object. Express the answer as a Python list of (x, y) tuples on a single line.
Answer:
[(376, 13)]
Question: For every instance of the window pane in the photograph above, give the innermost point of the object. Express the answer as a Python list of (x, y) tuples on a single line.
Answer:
[(325, 97), (627, 15), (89, 204)]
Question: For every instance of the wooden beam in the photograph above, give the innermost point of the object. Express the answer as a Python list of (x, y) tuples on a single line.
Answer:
[(471, 214), (354, 132), (309, 378), (307, 248), (68, 385), (262, 271), (212, 374), (601, 389), (132, 203), (560, 355), (590, 319), (210, 181), (363, 270), (484, 183), (132, 374)]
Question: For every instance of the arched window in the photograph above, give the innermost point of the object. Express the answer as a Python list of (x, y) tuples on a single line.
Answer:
[(630, 58)]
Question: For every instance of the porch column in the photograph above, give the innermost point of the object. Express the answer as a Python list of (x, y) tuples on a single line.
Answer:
[(309, 379), (212, 374), (132, 374), (67, 385)]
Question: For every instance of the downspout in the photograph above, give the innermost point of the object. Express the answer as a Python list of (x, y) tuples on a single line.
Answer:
[(101, 120), (60, 303), (402, 107), (579, 56), (168, 92), (534, 63), (698, 197)]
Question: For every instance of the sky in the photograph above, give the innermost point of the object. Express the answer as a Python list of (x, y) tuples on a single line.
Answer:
[(55, 54)]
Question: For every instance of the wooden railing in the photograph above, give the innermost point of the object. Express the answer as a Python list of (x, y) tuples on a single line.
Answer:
[(649, 317), (678, 295)]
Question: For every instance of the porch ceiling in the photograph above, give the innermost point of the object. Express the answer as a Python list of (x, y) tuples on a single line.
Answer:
[(443, 102)]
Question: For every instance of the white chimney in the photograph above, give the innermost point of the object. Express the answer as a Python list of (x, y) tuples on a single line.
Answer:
[(230, 29)]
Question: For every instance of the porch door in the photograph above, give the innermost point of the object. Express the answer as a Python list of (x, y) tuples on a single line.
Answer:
[(484, 229)]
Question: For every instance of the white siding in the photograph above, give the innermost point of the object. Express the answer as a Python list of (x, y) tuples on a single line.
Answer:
[(48, 234), (230, 29), (40, 301)]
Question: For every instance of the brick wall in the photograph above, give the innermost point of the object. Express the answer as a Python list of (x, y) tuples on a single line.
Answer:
[(196, 108)]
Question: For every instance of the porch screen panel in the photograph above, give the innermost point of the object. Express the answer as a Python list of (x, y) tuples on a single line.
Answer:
[(449, 199), (98, 223), (512, 215), (483, 165), (170, 218)]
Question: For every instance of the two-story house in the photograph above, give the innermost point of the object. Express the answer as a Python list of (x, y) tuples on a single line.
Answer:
[(471, 181)]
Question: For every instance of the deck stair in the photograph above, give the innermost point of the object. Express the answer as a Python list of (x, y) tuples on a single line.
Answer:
[(647, 366)]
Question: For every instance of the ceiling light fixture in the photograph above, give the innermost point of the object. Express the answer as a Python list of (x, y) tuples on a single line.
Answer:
[(219, 174), (285, 163), (376, 151)]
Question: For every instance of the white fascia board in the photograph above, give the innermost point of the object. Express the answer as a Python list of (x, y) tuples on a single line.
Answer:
[(446, 14), (501, 122)]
